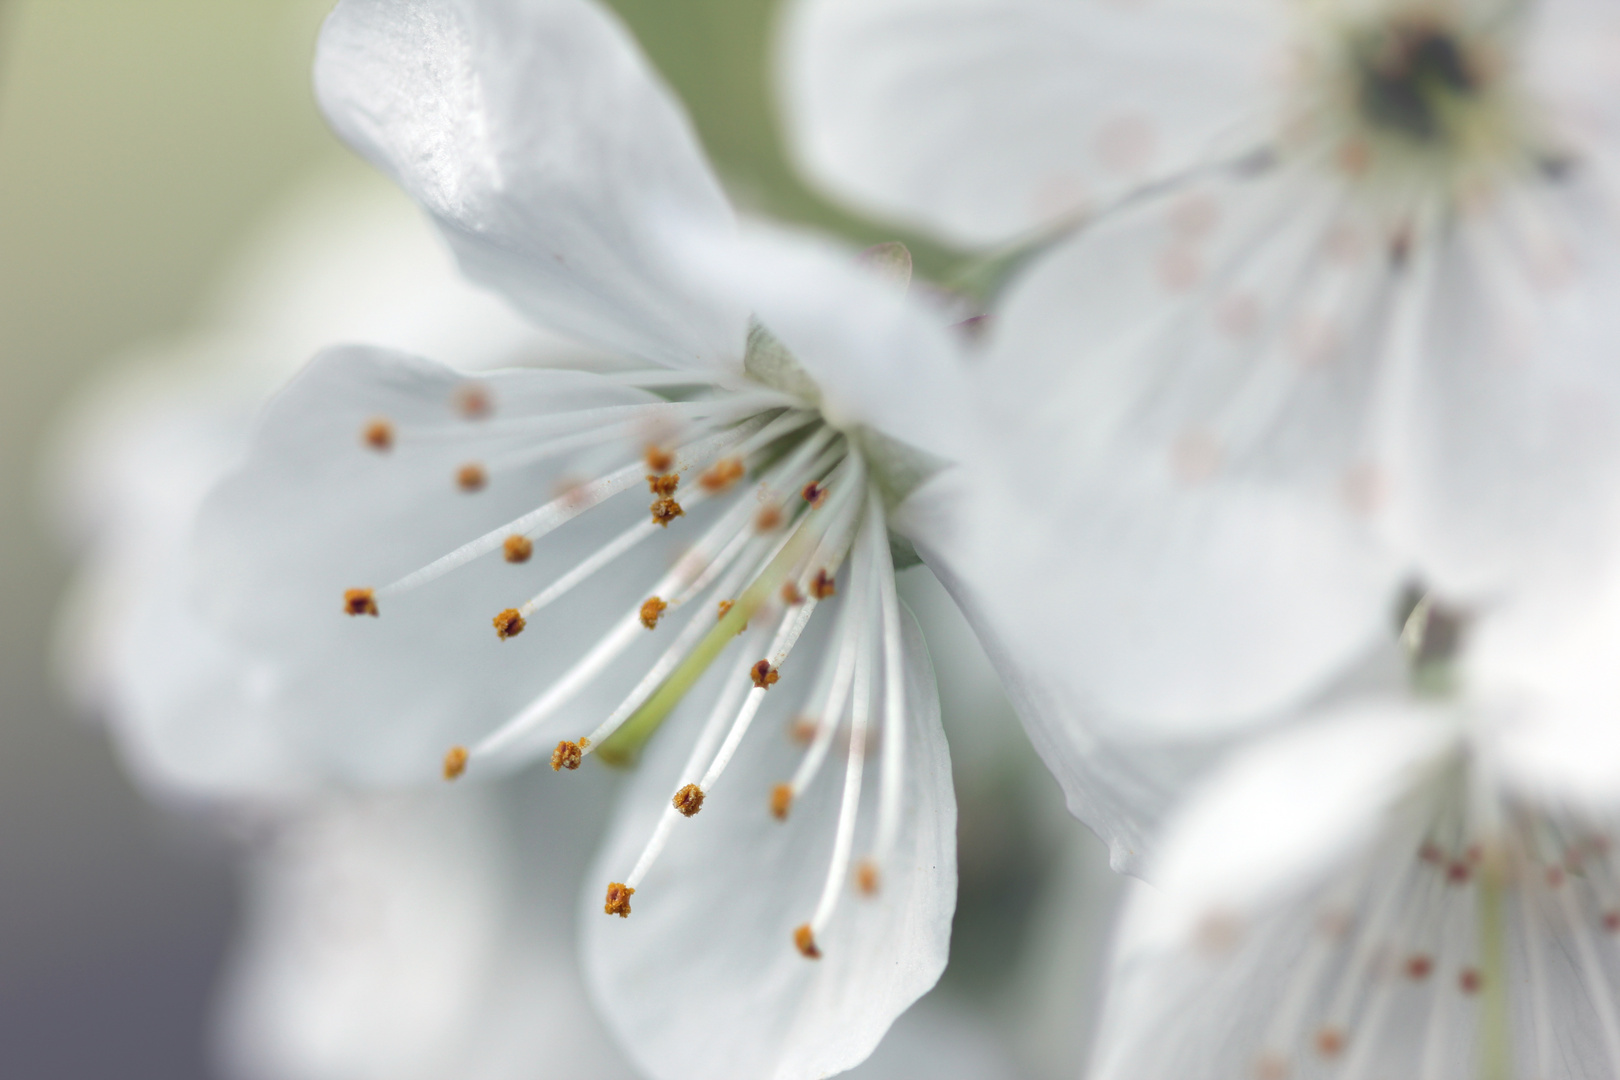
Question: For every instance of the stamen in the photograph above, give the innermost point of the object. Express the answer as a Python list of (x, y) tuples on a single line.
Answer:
[(650, 610), (804, 939), (791, 596), (618, 900), (509, 624), (894, 687), (781, 801), (815, 494), (567, 755), (663, 486), (764, 675), (823, 585), (659, 460), (517, 548), (472, 400), (540, 521), (867, 877), (471, 477), (378, 434), (688, 800), (768, 519), (360, 602), (455, 762), (724, 607), (722, 475), (665, 511)]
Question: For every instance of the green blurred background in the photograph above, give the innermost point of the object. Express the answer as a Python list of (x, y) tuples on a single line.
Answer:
[(139, 139)]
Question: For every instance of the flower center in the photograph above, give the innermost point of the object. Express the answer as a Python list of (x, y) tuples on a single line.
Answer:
[(770, 555), (1414, 75)]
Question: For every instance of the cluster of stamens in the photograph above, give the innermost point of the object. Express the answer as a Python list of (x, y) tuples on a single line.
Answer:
[(771, 558)]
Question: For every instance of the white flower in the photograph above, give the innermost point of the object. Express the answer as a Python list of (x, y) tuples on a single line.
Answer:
[(390, 509), (1397, 888), (1327, 302)]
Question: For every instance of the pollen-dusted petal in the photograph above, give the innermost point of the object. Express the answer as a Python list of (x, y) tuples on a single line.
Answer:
[(517, 548), (455, 762), (791, 596), (764, 675), (359, 602), (722, 474), (659, 460), (665, 511), (618, 900), (768, 519), (804, 939), (815, 494), (663, 486), (867, 877), (471, 477), (781, 801), (473, 401), (688, 800), (509, 624), (650, 610), (823, 585), (378, 434), (567, 755)]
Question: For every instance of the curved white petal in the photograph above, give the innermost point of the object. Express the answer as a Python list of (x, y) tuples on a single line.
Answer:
[(982, 119), (540, 140), (1283, 887), (878, 356), (703, 977), (312, 511)]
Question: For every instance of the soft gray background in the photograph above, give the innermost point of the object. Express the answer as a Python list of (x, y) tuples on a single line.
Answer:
[(138, 140)]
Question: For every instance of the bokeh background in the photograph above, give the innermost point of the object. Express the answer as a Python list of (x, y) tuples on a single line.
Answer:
[(140, 140)]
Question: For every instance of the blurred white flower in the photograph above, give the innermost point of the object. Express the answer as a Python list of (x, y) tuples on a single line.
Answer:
[(1401, 887), (1326, 302), (388, 508)]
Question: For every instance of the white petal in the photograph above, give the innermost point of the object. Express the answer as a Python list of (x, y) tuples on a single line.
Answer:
[(313, 512), (414, 938), (982, 119), (540, 140), (878, 356), (1266, 909), (703, 979)]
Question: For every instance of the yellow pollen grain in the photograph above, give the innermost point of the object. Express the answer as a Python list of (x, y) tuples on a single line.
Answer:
[(665, 511), (618, 900), (804, 939), (360, 602), (509, 624), (725, 606), (823, 586), (722, 474), (650, 611), (567, 755), (455, 762), (471, 477), (688, 800), (659, 460), (378, 434), (791, 596), (781, 801), (517, 548), (472, 400), (815, 494), (663, 486), (867, 878), (764, 675), (768, 519)]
